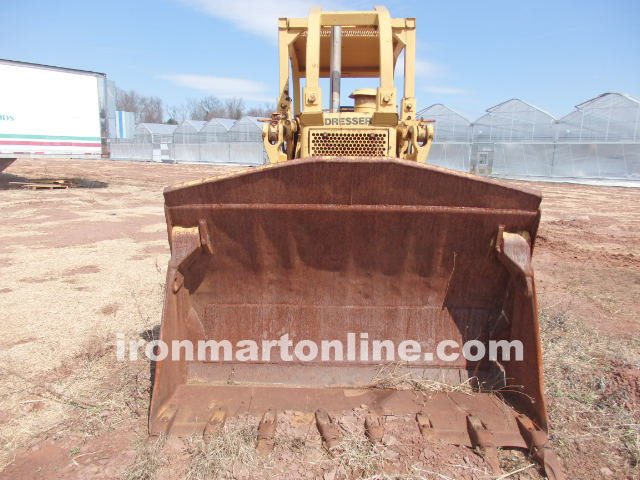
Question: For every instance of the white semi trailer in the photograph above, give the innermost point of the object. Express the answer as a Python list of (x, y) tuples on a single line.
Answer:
[(51, 111)]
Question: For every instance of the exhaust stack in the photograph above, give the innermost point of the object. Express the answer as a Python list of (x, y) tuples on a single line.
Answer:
[(336, 67)]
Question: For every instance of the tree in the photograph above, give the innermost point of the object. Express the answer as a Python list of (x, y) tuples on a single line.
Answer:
[(193, 110), (234, 108), (204, 109), (128, 101), (146, 109), (212, 106), (177, 113), (265, 111), (150, 109)]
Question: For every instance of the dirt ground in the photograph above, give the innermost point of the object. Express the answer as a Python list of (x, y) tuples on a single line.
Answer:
[(81, 264)]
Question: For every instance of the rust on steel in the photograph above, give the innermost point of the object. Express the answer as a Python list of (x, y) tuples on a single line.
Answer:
[(482, 439), (328, 429), (391, 247), (540, 448), (374, 428), (266, 433), (215, 423)]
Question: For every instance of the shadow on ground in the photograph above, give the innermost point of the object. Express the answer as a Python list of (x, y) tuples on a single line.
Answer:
[(149, 336)]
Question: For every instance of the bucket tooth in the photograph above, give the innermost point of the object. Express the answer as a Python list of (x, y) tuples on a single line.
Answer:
[(482, 439), (425, 426), (540, 448), (215, 423), (328, 429), (374, 428), (266, 433)]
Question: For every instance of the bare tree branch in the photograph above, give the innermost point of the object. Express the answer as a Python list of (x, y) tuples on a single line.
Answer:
[(146, 109), (150, 109), (234, 108), (265, 111)]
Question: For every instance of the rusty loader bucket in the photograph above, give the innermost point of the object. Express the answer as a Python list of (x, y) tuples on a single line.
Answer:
[(320, 248)]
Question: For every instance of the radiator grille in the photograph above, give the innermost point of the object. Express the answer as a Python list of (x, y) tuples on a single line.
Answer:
[(349, 144)]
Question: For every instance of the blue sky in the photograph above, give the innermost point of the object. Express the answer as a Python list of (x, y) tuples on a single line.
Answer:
[(472, 54)]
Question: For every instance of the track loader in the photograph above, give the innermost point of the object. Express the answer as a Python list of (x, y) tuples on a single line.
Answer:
[(348, 233)]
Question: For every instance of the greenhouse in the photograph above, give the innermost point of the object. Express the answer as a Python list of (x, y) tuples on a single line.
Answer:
[(247, 129), (151, 141), (214, 141), (186, 141), (245, 141), (216, 130), (218, 141), (600, 140), (188, 132), (611, 117), (513, 138), (452, 143), (154, 133)]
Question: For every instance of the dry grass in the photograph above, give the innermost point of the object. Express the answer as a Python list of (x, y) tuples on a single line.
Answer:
[(59, 373), (124, 395), (150, 457), (517, 464), (395, 376), (230, 451), (357, 456), (86, 397), (578, 366)]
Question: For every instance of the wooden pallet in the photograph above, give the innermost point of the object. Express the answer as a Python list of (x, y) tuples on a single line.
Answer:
[(56, 185)]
